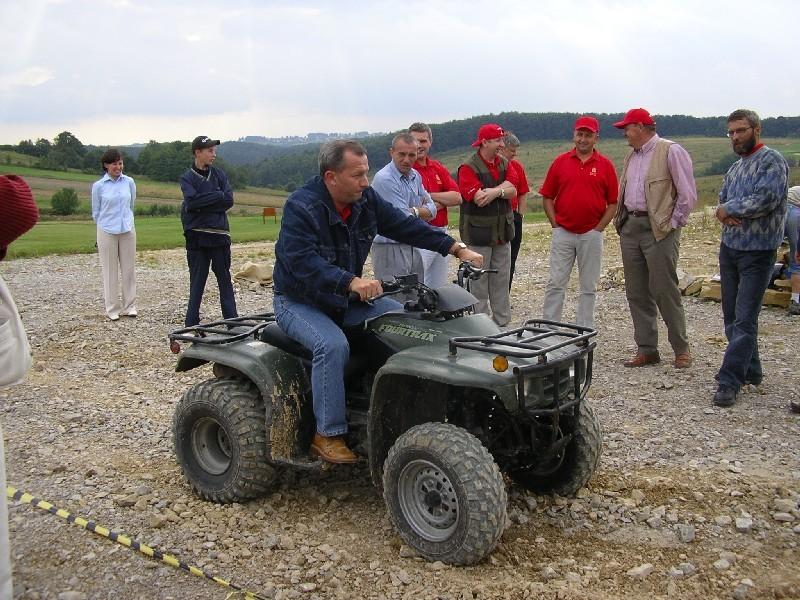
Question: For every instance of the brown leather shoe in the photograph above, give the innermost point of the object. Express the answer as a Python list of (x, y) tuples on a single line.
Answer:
[(683, 360), (332, 450), (641, 360)]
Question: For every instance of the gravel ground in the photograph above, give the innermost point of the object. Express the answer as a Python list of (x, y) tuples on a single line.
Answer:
[(690, 500)]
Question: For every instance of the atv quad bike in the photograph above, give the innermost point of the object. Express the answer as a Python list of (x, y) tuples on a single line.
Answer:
[(440, 402)]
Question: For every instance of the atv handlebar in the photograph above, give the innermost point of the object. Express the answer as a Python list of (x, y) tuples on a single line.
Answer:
[(469, 272), (406, 283)]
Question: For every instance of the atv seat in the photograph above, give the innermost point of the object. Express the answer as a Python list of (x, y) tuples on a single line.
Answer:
[(272, 334)]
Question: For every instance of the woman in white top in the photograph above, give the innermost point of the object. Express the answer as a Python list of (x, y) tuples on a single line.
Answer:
[(113, 197)]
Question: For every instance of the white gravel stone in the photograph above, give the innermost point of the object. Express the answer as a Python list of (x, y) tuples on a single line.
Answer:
[(722, 564), (686, 533), (641, 571), (744, 524)]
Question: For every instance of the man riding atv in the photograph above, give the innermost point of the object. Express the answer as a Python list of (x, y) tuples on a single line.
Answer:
[(326, 233)]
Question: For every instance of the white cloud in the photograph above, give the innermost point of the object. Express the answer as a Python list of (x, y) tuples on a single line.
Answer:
[(29, 77)]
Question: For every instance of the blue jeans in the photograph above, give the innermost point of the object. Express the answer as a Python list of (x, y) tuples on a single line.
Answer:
[(316, 331), (745, 275), (792, 230)]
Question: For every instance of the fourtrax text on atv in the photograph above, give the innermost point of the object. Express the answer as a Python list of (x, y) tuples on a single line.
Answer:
[(440, 401)]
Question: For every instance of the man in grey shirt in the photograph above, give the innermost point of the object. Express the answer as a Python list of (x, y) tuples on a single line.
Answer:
[(399, 184)]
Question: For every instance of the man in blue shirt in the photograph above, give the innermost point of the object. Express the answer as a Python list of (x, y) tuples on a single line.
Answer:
[(326, 233), (752, 207), (401, 185), (207, 196)]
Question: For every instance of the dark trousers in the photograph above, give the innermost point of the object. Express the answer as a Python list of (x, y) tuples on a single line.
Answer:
[(199, 260), (515, 244), (744, 276)]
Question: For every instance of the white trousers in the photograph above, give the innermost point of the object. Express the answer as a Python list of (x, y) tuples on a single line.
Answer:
[(118, 255), (436, 266), (565, 248), (492, 288)]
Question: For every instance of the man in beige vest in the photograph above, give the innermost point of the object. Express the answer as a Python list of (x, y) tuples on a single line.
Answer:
[(656, 194)]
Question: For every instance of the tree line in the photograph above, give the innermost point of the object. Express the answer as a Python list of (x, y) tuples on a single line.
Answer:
[(289, 167), (158, 161)]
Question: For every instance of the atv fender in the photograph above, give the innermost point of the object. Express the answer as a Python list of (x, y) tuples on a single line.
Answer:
[(283, 382), (412, 388)]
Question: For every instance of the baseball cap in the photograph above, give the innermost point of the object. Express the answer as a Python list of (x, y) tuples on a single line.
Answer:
[(18, 210), (587, 122), (635, 115), (203, 141), (490, 131)]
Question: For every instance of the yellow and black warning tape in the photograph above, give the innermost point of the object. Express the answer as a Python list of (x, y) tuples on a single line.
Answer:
[(20, 496)]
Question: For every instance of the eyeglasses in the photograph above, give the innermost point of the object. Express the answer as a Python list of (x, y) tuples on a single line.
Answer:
[(739, 131)]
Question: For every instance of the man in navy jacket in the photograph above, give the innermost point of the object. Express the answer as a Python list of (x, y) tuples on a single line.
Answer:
[(326, 233), (207, 196)]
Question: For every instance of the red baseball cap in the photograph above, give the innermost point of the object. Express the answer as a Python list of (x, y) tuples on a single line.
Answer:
[(587, 122), (635, 115), (18, 210), (490, 131)]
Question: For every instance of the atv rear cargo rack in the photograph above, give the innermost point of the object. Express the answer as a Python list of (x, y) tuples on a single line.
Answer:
[(223, 331)]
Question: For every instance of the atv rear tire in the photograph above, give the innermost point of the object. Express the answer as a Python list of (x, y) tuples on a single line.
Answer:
[(572, 468), (219, 432), (444, 493)]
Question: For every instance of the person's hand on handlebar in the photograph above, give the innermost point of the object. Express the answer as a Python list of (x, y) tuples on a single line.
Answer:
[(366, 289), (466, 255)]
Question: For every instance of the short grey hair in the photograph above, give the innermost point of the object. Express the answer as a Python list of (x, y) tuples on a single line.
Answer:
[(331, 154), (509, 139), (748, 115), (403, 137), (421, 128)]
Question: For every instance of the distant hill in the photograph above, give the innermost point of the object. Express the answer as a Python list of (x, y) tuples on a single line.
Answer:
[(299, 163)]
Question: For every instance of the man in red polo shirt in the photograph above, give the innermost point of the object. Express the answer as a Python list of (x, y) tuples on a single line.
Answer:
[(579, 195), (438, 182), (486, 219)]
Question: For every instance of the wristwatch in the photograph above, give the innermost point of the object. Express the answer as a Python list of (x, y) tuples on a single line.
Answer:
[(460, 246)]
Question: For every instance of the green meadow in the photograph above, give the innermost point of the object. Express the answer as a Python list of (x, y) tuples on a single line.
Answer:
[(152, 233)]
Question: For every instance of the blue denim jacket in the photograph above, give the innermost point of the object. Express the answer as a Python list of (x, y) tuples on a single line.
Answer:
[(318, 255)]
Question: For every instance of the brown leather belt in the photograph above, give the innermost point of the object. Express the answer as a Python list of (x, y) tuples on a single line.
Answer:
[(637, 213)]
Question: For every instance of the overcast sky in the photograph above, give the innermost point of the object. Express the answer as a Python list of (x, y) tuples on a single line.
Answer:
[(124, 71)]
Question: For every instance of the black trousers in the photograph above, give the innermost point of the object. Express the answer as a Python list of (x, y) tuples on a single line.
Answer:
[(199, 260), (515, 243)]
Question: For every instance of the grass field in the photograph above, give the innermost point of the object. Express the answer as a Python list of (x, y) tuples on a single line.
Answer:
[(152, 233), (45, 183)]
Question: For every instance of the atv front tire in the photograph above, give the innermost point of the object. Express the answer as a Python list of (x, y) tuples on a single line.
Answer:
[(444, 493), (219, 432), (571, 469)]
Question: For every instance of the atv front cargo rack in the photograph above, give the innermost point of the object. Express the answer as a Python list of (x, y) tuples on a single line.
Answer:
[(515, 342), (568, 374), (223, 331)]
